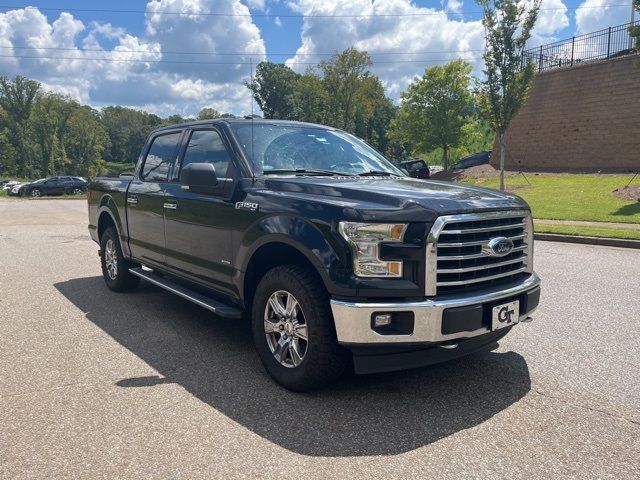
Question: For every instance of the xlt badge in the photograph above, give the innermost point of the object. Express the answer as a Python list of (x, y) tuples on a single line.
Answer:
[(247, 206)]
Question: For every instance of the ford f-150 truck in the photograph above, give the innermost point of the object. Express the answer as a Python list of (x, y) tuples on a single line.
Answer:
[(339, 260)]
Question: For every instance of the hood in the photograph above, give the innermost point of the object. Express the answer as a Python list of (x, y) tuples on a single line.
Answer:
[(392, 198)]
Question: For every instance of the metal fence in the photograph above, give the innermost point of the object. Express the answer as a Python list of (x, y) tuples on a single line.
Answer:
[(607, 43)]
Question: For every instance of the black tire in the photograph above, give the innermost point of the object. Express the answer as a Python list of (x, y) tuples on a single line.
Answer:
[(324, 361), (118, 278)]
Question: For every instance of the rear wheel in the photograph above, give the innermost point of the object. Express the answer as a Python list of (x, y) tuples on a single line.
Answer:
[(293, 329), (115, 268)]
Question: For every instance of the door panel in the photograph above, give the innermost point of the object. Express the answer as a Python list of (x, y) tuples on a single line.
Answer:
[(198, 228), (198, 236), (146, 198), (145, 218)]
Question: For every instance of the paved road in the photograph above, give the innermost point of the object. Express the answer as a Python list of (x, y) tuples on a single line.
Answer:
[(97, 385)]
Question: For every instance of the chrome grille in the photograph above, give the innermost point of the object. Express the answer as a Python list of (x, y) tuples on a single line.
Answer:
[(459, 258)]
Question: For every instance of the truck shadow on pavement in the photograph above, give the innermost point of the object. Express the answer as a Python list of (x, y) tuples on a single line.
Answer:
[(214, 359)]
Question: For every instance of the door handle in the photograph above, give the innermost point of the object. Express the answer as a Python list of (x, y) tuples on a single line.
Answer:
[(170, 205), (132, 199)]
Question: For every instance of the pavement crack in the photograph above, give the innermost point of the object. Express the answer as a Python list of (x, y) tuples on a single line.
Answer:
[(584, 407)]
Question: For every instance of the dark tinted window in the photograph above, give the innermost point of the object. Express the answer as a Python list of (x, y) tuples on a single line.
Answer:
[(160, 157), (206, 146)]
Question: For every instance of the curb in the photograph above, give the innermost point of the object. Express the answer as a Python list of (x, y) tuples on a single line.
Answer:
[(602, 241)]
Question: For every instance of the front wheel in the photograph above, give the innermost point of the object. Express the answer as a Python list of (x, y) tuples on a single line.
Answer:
[(115, 268), (293, 329), (36, 192)]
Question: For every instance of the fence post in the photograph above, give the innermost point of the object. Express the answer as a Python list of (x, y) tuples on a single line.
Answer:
[(540, 60), (609, 42), (573, 43)]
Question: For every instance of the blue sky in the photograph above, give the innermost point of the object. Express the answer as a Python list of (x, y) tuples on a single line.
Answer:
[(148, 60)]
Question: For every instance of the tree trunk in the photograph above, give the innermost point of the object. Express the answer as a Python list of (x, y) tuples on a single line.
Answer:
[(502, 154), (445, 157)]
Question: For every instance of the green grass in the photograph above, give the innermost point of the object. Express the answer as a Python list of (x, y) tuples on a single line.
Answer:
[(573, 197), (590, 231)]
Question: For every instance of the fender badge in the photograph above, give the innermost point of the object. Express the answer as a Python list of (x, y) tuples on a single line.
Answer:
[(253, 207)]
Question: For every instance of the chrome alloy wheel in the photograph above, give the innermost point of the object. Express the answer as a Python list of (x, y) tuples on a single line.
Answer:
[(76, 191), (35, 193), (286, 329), (111, 259)]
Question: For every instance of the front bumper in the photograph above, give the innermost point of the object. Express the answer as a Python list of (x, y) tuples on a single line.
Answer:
[(434, 320)]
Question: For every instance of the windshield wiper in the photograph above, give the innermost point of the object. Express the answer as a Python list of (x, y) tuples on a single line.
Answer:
[(300, 171), (377, 173)]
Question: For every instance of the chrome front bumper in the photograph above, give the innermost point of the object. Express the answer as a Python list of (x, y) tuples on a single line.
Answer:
[(353, 319)]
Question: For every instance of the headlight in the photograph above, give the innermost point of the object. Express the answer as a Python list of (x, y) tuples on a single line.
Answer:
[(365, 240)]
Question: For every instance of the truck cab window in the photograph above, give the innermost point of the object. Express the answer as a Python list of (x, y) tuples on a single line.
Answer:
[(160, 157), (206, 146)]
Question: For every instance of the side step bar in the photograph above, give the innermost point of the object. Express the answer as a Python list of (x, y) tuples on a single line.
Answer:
[(203, 301)]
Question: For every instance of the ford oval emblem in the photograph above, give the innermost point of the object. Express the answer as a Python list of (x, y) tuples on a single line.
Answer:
[(499, 246)]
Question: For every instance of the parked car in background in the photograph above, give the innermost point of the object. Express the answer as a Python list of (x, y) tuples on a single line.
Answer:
[(54, 186), (14, 189), (416, 168), (433, 169), (8, 185), (480, 158)]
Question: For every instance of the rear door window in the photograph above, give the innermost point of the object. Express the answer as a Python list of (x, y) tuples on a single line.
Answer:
[(160, 157)]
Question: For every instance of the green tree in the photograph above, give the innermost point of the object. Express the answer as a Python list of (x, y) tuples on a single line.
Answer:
[(508, 25), (310, 99), (8, 155), (373, 113), (272, 90), (85, 142), (209, 113), (343, 75), (16, 100), (127, 130), (49, 116), (635, 29), (435, 109)]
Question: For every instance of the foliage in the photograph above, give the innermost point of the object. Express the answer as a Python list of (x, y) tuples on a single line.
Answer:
[(635, 30), (508, 25), (341, 92), (344, 75), (435, 109), (127, 130), (272, 90)]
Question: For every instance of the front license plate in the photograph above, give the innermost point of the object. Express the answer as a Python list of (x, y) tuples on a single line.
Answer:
[(505, 315)]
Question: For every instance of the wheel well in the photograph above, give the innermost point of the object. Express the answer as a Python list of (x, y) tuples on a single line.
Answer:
[(105, 221), (267, 257)]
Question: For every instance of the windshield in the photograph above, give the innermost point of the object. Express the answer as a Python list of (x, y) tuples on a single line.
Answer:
[(291, 147)]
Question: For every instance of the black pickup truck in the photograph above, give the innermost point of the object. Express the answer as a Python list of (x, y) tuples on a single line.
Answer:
[(338, 259)]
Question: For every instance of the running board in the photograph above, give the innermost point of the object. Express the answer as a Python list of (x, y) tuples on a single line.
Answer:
[(203, 301)]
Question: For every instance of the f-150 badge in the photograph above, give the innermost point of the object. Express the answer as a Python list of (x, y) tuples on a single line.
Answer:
[(253, 207)]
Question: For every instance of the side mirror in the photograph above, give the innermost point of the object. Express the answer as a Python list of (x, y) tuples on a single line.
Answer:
[(199, 178)]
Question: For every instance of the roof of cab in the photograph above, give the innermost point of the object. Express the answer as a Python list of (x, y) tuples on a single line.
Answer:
[(246, 121)]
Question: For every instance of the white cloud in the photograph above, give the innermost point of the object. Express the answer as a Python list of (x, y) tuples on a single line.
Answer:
[(278, 22), (388, 38), (600, 14), (146, 70), (255, 4)]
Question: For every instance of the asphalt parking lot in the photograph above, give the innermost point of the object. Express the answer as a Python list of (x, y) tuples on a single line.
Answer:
[(96, 384)]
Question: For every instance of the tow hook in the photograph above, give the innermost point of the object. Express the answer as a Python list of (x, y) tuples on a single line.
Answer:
[(527, 320), (449, 345)]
